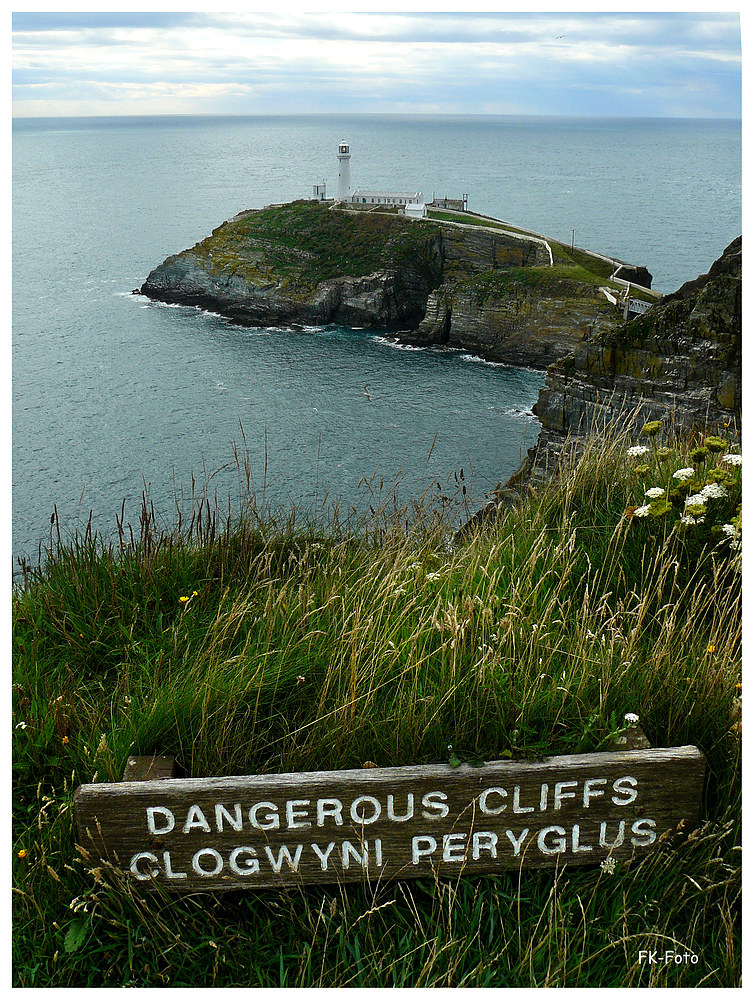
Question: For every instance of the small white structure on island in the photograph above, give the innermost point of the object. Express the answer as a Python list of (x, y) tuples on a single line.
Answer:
[(320, 192), (400, 198), (344, 172), (415, 210)]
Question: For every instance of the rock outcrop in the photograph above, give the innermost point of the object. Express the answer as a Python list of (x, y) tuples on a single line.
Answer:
[(301, 263), (484, 289), (386, 298), (519, 322), (680, 363)]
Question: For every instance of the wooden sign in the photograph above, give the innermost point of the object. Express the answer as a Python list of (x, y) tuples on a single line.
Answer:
[(398, 822)]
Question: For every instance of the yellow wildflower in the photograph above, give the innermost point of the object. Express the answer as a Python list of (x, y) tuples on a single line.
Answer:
[(22, 853), (183, 599), (710, 649)]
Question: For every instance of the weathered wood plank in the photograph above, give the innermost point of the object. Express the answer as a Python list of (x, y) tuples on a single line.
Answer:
[(632, 737), (149, 768), (192, 834)]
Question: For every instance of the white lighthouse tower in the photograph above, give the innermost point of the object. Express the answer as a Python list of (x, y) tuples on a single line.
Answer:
[(344, 172)]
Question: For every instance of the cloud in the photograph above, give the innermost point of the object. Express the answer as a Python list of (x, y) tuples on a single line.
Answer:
[(302, 62), (26, 22)]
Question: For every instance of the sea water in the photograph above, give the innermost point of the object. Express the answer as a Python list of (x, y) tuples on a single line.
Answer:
[(114, 395)]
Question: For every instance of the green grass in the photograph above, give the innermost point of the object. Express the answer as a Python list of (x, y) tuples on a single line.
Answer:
[(580, 265), (562, 280), (468, 219), (309, 646), (307, 243)]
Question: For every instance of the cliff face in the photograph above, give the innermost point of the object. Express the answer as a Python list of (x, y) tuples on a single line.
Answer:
[(488, 291), (301, 263), (680, 362), (518, 323), (385, 298)]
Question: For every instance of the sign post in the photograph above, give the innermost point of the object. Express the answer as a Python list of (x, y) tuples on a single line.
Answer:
[(189, 834)]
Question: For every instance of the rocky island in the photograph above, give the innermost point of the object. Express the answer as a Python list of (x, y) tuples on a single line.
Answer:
[(467, 281), (454, 279)]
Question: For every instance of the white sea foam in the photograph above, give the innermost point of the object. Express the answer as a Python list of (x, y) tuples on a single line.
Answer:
[(208, 312), (389, 342), (162, 305), (158, 304), (484, 361), (501, 364)]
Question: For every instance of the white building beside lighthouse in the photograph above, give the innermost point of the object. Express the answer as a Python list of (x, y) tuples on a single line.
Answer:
[(408, 203), (344, 172), (368, 197)]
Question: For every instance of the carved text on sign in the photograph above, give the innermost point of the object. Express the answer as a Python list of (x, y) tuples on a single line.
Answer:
[(390, 822)]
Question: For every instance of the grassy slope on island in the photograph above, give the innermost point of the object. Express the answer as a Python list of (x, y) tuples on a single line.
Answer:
[(305, 243), (253, 647)]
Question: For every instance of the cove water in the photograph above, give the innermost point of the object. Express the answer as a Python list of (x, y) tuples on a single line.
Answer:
[(113, 394)]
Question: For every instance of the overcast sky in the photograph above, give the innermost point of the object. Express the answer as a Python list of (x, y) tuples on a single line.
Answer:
[(645, 64)]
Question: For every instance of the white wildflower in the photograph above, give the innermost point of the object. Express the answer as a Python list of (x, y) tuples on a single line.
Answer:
[(689, 520), (636, 450), (608, 866), (655, 492), (731, 459), (732, 536), (683, 474), (713, 491), (433, 576), (22, 725), (630, 718), (697, 500), (641, 511)]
